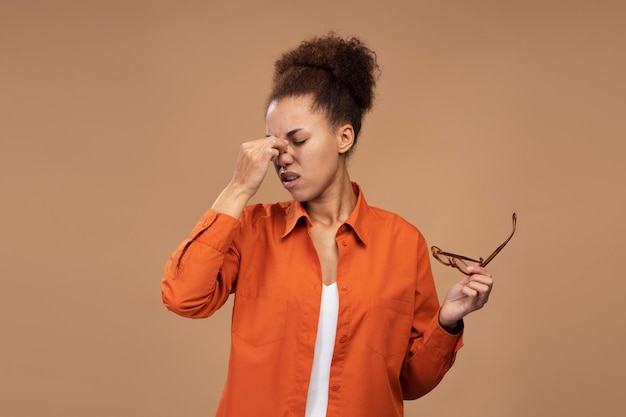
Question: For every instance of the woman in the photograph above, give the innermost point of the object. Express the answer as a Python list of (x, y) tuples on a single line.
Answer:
[(335, 309)]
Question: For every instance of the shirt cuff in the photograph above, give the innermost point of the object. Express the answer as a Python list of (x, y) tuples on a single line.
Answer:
[(443, 341)]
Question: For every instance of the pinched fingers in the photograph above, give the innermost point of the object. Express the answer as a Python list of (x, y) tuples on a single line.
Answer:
[(264, 149), (273, 147), (278, 144), (253, 162)]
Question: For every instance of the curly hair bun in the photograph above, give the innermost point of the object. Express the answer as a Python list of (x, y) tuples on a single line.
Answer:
[(339, 73), (348, 60)]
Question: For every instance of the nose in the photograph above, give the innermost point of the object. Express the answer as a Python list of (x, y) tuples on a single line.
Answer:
[(284, 158)]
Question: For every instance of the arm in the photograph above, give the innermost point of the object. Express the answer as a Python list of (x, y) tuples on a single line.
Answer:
[(432, 349), (432, 355), (201, 273)]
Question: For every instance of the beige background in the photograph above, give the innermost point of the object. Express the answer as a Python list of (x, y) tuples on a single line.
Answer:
[(121, 121)]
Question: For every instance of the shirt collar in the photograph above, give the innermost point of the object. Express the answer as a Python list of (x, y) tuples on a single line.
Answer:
[(358, 219)]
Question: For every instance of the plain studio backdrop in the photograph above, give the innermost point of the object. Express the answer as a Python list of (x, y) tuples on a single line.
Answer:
[(121, 122)]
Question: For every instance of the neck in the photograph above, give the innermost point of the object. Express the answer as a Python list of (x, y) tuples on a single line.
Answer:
[(334, 206)]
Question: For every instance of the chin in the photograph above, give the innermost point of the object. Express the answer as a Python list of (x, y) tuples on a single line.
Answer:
[(301, 196)]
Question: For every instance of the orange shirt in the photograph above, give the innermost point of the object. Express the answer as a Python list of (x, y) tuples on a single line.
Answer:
[(389, 345)]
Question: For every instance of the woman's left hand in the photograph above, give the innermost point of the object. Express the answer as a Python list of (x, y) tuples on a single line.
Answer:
[(470, 294)]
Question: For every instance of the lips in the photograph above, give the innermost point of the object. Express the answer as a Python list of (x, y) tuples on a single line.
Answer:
[(288, 176)]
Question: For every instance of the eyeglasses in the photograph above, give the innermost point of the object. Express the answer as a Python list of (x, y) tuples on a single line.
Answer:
[(459, 261)]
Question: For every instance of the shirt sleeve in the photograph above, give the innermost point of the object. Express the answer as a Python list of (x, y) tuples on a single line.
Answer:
[(432, 350), (201, 273)]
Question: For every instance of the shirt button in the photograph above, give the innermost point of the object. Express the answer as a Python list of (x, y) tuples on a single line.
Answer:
[(343, 339), (344, 242), (344, 288), (205, 224), (335, 388)]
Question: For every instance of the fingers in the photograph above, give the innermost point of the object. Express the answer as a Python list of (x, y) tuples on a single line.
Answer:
[(477, 269), (478, 285), (468, 295), (253, 162), (275, 146), (264, 150)]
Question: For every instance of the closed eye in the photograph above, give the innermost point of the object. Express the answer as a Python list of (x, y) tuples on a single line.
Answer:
[(299, 142)]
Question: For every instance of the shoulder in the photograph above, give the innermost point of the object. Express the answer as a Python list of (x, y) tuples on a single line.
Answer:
[(379, 215), (385, 220)]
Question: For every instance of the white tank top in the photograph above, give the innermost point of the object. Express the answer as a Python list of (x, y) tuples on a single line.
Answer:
[(317, 397)]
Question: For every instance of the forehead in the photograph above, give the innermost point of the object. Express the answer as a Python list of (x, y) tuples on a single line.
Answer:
[(291, 113)]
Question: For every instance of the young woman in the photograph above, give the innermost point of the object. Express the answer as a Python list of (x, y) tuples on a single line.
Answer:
[(335, 310)]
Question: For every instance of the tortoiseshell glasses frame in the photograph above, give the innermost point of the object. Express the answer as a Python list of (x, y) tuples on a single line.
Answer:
[(459, 261)]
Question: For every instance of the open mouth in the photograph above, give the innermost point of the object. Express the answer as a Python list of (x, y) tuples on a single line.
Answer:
[(287, 176)]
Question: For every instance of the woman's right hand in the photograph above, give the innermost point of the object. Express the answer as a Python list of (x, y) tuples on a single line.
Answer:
[(252, 164)]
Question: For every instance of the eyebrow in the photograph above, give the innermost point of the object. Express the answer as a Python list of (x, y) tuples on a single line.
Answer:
[(293, 131), (290, 133)]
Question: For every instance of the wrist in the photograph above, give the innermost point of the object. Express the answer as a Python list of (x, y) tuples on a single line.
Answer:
[(232, 200), (450, 326), (239, 191)]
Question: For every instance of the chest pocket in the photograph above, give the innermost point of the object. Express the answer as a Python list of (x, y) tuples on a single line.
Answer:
[(260, 314), (389, 326)]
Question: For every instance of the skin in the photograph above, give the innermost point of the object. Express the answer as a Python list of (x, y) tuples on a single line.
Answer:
[(304, 147)]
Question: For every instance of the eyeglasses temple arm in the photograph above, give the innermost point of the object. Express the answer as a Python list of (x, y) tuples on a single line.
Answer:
[(493, 255)]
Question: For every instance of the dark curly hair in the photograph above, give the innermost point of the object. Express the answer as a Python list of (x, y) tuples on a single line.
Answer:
[(340, 74)]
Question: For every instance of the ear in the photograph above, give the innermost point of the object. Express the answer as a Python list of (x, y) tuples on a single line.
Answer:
[(345, 138)]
